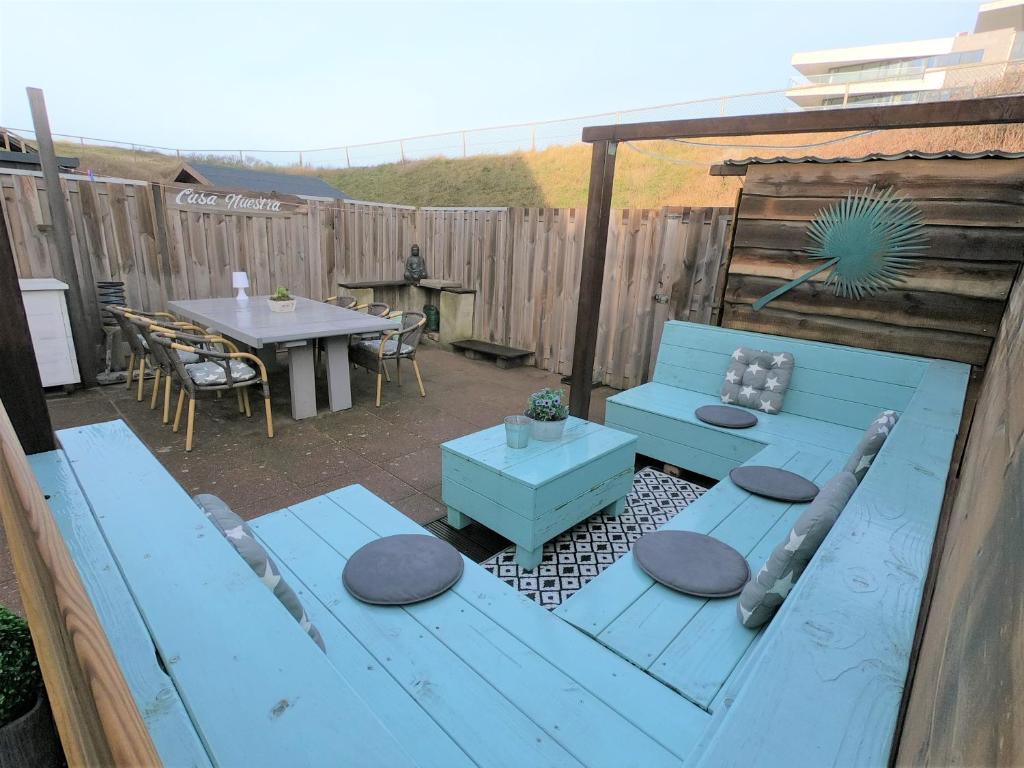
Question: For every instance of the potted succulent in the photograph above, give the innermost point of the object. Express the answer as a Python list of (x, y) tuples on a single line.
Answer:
[(27, 733), (548, 414), (281, 301)]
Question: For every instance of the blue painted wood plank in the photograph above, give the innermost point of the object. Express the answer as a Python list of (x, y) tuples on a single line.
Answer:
[(706, 651), (170, 727), (883, 366), (573, 718), (843, 386), (528, 532), (600, 602), (259, 691), (678, 404), (693, 459), (539, 462), (734, 445), (841, 641), (646, 631), (401, 713), (650, 706)]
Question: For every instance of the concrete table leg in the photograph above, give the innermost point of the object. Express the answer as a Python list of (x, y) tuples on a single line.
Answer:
[(338, 385), (302, 378)]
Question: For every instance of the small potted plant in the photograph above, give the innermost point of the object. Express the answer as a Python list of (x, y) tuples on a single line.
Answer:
[(28, 735), (281, 301), (548, 413)]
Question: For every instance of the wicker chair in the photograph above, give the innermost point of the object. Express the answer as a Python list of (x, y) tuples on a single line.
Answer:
[(345, 302), (215, 372), (373, 354), (164, 359), (137, 343)]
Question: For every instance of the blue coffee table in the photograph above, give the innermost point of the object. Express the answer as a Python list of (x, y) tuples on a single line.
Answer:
[(530, 495)]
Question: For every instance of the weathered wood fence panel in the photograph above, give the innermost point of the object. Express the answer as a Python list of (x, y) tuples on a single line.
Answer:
[(948, 307), (964, 707), (522, 262)]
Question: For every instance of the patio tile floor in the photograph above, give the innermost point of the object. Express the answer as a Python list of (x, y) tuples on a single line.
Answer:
[(393, 450)]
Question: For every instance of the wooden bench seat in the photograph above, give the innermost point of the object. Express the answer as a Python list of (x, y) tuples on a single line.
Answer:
[(840, 644), (478, 676), (692, 644), (258, 691), (504, 357)]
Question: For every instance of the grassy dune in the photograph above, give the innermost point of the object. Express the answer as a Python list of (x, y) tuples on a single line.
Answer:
[(648, 174)]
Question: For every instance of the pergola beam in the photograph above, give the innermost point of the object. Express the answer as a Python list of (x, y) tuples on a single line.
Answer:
[(988, 111), (935, 114)]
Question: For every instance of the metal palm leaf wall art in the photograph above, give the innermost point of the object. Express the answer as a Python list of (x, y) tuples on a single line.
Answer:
[(870, 240)]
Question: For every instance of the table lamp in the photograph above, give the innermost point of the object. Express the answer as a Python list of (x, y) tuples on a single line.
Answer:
[(240, 280)]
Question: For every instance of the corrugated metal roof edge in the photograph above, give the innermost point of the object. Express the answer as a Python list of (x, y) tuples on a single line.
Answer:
[(910, 154)]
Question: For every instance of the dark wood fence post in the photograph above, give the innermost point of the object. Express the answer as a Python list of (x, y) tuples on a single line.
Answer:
[(20, 386), (595, 245)]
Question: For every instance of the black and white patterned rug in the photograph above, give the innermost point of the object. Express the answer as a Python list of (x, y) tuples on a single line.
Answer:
[(580, 554)]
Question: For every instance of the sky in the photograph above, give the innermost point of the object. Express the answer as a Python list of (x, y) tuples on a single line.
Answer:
[(302, 75)]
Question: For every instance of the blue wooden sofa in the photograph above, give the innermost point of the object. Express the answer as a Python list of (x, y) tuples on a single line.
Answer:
[(833, 660), (634, 675)]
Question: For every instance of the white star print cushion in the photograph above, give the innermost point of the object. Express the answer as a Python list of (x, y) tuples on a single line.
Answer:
[(870, 444), (238, 534), (763, 594), (757, 379)]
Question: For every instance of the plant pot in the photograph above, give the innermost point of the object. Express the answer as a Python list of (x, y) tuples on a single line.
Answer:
[(547, 430), (31, 739), (281, 306)]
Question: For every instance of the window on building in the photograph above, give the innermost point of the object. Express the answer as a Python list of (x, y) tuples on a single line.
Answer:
[(894, 69)]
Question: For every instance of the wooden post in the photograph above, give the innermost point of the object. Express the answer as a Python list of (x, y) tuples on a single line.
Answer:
[(595, 244), (86, 344), (20, 386)]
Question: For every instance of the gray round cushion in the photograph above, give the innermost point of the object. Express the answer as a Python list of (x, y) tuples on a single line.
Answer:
[(726, 416), (774, 483), (692, 563), (402, 569)]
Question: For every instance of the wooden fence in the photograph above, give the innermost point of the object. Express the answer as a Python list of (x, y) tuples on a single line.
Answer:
[(523, 262)]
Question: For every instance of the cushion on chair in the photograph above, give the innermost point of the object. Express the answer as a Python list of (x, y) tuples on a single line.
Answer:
[(692, 563), (764, 594), (373, 345), (402, 569), (757, 379), (187, 357), (870, 444), (774, 483), (210, 373), (239, 535), (726, 416), (142, 341)]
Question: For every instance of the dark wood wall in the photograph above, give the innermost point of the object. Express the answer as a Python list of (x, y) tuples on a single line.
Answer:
[(949, 307), (966, 704)]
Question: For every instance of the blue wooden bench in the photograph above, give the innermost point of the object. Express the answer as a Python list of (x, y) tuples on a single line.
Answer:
[(634, 675), (841, 642), (222, 675)]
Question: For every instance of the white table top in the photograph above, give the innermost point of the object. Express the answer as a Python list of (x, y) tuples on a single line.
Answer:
[(254, 323)]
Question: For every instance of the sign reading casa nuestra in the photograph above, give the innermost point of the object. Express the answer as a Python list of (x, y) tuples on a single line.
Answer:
[(194, 199)]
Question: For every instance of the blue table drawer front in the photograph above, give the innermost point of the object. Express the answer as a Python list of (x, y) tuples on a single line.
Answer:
[(529, 501)]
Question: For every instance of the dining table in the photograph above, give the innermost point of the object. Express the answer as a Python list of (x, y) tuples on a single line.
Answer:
[(253, 323)]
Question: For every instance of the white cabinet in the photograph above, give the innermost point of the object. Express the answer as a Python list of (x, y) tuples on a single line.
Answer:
[(50, 327)]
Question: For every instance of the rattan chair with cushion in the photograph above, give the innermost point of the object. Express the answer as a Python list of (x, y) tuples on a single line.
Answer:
[(345, 302), (373, 354), (163, 358), (214, 372), (137, 343)]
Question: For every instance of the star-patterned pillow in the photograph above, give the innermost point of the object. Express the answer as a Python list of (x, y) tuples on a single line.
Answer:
[(757, 379), (763, 595), (239, 535), (869, 446)]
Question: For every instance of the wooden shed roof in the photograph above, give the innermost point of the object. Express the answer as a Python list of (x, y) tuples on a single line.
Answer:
[(738, 167)]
